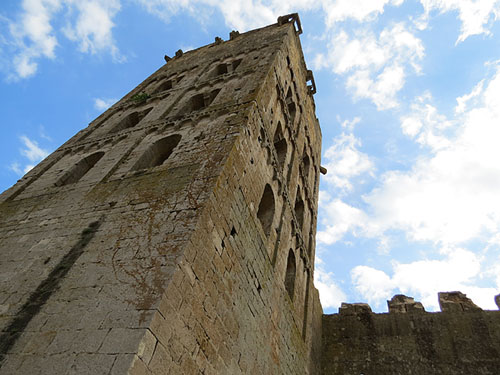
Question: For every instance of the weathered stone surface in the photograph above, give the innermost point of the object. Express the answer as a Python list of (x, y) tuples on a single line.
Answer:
[(456, 301), (460, 343), (175, 234), (401, 304), (354, 308)]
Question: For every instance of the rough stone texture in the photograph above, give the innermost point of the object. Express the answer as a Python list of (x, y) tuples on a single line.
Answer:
[(175, 234), (412, 341), (402, 304), (456, 301)]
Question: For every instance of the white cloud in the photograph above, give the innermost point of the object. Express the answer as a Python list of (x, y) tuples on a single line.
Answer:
[(330, 293), (450, 196), (426, 125), (32, 35), (375, 66), (340, 218), (458, 269), (359, 10), (93, 26), (349, 124), (102, 104), (246, 14), (345, 162), (16, 167), (374, 285), (464, 100), (474, 15), (31, 151)]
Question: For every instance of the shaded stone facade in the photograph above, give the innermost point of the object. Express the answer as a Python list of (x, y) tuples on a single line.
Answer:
[(462, 339), (176, 235)]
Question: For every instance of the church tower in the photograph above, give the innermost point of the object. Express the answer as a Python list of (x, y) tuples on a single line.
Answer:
[(176, 233)]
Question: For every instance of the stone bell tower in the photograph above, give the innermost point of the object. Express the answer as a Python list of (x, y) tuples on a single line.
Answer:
[(176, 233)]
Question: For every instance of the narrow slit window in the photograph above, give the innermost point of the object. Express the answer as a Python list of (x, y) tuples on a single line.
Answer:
[(164, 86), (280, 145), (290, 274), (157, 153), (130, 120), (235, 64), (75, 173), (265, 214), (306, 164), (292, 109), (221, 69), (198, 102), (299, 210)]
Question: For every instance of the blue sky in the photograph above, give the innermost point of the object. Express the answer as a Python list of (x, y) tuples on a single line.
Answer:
[(408, 100)]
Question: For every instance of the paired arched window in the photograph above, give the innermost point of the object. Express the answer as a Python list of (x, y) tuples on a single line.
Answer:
[(280, 145), (299, 210), (164, 86), (77, 171), (292, 109), (290, 274), (157, 153), (306, 163), (265, 214), (200, 101), (131, 120)]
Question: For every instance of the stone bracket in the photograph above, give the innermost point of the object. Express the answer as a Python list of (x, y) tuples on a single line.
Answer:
[(312, 86), (292, 17)]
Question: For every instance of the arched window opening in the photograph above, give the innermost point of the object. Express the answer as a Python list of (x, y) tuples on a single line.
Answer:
[(292, 110), (299, 210), (306, 164), (77, 171), (236, 63), (157, 153), (200, 101), (221, 69), (130, 120), (310, 245), (280, 145), (164, 86), (290, 274), (265, 214)]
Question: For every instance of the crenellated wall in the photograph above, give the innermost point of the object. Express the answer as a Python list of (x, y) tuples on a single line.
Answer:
[(462, 339)]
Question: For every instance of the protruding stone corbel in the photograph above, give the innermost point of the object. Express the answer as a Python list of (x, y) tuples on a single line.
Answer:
[(292, 17), (179, 53), (233, 34), (323, 170), (167, 58), (310, 78), (497, 300)]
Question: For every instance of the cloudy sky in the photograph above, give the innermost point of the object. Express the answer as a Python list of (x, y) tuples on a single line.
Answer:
[(408, 100)]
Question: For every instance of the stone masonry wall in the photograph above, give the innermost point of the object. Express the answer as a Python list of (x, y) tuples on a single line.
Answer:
[(227, 310), (462, 339), (146, 244)]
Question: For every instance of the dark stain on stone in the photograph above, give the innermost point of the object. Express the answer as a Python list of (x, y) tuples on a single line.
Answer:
[(46, 288)]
